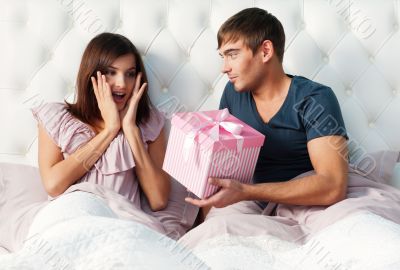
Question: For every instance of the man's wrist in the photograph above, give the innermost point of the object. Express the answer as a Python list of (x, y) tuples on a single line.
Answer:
[(246, 192)]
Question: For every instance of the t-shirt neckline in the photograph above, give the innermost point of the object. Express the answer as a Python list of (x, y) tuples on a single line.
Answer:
[(282, 108)]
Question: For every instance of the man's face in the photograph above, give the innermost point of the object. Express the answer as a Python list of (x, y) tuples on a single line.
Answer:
[(244, 69)]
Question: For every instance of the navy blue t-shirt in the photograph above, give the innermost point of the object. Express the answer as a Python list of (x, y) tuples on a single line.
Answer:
[(309, 111)]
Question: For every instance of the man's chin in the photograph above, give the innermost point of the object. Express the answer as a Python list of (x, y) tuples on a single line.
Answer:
[(239, 88)]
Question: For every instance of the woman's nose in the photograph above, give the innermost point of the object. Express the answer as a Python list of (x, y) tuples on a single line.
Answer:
[(120, 81)]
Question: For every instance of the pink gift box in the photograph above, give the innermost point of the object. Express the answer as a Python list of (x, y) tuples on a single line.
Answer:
[(210, 144)]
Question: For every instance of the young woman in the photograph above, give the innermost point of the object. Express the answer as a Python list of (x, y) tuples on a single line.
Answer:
[(111, 135)]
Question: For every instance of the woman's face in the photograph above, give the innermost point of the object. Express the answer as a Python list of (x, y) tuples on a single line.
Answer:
[(121, 75)]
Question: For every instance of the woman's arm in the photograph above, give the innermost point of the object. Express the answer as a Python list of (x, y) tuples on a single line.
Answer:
[(57, 173), (154, 182)]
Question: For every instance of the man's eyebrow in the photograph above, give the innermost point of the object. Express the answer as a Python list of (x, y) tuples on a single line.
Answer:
[(229, 51)]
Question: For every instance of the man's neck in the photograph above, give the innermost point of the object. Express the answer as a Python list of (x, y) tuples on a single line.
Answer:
[(275, 86)]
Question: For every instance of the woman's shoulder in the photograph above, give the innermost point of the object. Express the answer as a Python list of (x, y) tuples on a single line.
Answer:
[(51, 114), (49, 108), (67, 131)]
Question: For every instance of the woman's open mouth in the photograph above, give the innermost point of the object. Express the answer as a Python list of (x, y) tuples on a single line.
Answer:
[(118, 97)]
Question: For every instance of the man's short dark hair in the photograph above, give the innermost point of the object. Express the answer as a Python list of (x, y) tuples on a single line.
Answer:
[(253, 25)]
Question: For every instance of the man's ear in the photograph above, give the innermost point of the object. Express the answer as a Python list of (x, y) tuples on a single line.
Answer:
[(267, 50)]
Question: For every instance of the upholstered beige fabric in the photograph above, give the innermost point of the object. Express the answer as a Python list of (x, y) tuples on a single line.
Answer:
[(350, 45)]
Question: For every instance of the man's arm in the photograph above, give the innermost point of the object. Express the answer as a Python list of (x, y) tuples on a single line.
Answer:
[(328, 156)]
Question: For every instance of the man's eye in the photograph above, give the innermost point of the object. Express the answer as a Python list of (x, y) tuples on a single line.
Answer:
[(232, 55)]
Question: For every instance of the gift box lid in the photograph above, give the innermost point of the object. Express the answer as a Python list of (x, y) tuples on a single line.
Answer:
[(203, 124)]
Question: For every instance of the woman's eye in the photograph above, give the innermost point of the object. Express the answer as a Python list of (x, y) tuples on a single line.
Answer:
[(110, 72), (131, 74)]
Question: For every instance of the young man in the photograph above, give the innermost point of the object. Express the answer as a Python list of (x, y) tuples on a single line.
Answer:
[(301, 120)]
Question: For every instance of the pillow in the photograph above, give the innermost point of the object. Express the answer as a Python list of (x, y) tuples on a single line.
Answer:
[(395, 181), (179, 216), (21, 197), (378, 166)]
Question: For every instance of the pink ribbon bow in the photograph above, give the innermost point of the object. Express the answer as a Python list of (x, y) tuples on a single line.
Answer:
[(213, 125)]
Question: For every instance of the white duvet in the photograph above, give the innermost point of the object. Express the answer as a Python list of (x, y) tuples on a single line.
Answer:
[(97, 241), (363, 241), (93, 242)]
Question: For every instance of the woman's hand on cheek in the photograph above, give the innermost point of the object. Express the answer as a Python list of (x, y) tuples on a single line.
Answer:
[(129, 114), (108, 108)]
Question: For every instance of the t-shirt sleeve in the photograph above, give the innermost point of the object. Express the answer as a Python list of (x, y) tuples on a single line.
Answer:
[(321, 114), (152, 128)]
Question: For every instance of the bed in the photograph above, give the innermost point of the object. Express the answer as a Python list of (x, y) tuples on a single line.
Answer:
[(349, 45)]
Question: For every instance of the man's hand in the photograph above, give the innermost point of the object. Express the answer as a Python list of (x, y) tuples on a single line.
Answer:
[(232, 191)]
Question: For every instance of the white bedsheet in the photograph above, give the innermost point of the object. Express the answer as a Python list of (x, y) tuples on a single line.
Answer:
[(79, 231), (94, 240), (362, 241)]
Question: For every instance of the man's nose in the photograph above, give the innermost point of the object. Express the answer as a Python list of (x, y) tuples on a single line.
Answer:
[(225, 67)]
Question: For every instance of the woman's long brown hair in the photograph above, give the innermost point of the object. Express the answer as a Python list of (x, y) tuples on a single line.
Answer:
[(101, 51)]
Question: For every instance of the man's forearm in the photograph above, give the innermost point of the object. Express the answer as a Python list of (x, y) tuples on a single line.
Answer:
[(308, 190)]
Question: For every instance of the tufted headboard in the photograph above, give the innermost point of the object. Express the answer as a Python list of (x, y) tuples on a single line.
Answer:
[(349, 45)]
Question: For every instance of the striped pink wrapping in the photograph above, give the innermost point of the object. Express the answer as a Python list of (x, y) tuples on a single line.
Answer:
[(193, 171)]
